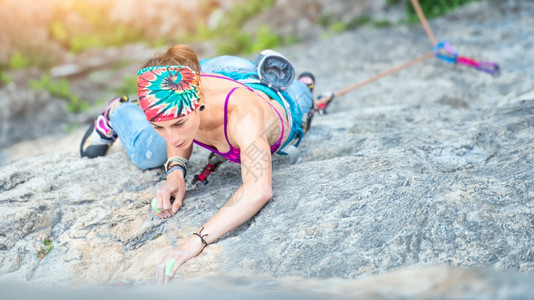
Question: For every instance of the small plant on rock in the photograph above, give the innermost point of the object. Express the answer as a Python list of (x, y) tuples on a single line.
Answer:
[(43, 251)]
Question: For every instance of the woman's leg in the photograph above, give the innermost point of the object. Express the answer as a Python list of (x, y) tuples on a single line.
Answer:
[(227, 64), (144, 146), (301, 94)]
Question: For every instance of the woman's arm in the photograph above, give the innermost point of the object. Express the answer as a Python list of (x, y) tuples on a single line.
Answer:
[(174, 186), (248, 133)]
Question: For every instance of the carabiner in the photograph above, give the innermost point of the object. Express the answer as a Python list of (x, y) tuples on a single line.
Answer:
[(445, 52)]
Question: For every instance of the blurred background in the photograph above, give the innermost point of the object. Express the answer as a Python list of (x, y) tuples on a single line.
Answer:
[(61, 61)]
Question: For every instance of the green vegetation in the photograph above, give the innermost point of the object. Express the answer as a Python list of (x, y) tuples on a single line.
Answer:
[(76, 104), (434, 8), (57, 88), (96, 29), (431, 8), (290, 39), (357, 22), (28, 54), (19, 61), (265, 38), (60, 89), (229, 36), (327, 21), (43, 252), (381, 23), (5, 78), (128, 87)]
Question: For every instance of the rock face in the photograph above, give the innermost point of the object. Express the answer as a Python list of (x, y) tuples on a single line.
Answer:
[(432, 166)]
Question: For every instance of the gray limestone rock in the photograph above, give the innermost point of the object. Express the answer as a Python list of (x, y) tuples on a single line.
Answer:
[(425, 176)]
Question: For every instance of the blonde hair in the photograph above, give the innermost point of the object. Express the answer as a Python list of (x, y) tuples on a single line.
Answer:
[(179, 55)]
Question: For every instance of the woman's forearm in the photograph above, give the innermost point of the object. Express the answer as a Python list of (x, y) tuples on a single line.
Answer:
[(243, 204)]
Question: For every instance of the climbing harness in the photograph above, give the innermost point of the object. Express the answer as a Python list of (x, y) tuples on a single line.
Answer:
[(442, 51)]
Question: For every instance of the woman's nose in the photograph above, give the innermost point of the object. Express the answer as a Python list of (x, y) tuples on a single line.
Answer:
[(172, 137)]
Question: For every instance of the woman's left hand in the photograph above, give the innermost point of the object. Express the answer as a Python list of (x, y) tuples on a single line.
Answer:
[(177, 257)]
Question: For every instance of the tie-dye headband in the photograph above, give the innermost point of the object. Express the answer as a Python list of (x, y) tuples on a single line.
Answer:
[(168, 92)]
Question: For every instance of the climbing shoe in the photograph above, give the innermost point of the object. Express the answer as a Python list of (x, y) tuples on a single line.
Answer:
[(308, 79), (100, 135)]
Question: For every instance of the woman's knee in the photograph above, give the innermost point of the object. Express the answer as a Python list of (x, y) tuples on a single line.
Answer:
[(148, 159), (148, 152), (301, 95)]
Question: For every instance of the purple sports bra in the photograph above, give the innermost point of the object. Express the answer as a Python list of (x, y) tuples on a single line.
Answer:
[(234, 154)]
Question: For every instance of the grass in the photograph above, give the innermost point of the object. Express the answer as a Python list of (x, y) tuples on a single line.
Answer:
[(381, 23), (96, 29), (30, 55), (265, 38), (60, 88), (338, 26), (5, 78), (431, 8), (76, 104), (19, 61), (231, 39), (357, 22), (43, 251), (128, 87)]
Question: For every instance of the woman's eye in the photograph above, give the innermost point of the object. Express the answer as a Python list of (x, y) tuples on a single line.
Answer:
[(177, 125)]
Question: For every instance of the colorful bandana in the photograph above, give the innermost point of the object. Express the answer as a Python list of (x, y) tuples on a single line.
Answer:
[(168, 92)]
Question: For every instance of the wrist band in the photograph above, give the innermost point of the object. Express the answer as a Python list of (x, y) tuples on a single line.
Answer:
[(174, 168), (175, 164), (201, 236), (183, 160)]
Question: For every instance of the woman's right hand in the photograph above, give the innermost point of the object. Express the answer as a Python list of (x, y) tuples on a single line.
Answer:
[(174, 186)]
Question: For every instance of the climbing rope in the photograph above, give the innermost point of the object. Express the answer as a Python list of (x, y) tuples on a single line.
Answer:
[(442, 51), (424, 22)]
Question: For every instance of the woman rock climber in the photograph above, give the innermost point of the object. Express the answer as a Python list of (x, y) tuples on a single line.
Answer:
[(181, 103)]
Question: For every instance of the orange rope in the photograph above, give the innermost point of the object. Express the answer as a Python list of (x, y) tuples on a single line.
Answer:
[(424, 22), (386, 73), (421, 58)]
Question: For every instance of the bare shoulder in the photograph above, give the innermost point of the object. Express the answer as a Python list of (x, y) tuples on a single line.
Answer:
[(245, 116), (244, 105)]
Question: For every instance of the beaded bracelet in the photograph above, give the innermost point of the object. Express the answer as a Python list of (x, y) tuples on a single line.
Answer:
[(174, 168), (183, 160)]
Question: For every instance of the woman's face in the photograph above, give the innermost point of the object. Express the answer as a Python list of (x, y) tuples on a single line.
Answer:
[(179, 133)]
